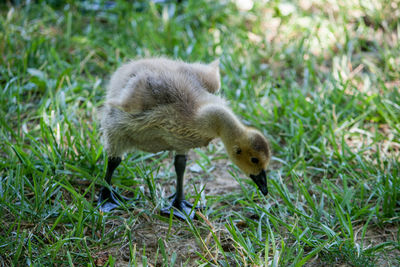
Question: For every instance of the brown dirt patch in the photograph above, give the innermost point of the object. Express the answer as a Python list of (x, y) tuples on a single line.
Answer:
[(149, 231)]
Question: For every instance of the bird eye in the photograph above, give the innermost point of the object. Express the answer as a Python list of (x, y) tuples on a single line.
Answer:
[(238, 151), (254, 160)]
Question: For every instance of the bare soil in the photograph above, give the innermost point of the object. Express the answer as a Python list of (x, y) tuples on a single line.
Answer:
[(149, 231)]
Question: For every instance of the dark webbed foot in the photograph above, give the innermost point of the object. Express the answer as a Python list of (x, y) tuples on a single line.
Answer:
[(179, 206), (181, 209), (110, 199)]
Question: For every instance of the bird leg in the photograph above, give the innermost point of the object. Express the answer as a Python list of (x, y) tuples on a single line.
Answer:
[(110, 199), (181, 208)]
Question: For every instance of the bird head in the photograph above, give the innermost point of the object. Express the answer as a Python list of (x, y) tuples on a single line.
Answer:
[(251, 153)]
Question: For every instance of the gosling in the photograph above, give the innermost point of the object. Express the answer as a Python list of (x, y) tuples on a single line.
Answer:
[(159, 104)]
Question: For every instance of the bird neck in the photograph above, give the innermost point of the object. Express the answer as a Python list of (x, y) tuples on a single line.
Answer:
[(219, 121)]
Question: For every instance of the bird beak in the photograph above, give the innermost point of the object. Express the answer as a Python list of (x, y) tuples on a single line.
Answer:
[(261, 181)]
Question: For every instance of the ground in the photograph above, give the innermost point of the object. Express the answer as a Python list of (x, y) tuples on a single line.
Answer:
[(320, 79)]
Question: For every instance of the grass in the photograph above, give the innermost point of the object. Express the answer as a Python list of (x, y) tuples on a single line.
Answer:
[(320, 78)]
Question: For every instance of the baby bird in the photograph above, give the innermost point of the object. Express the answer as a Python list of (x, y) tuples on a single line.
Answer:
[(159, 104)]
